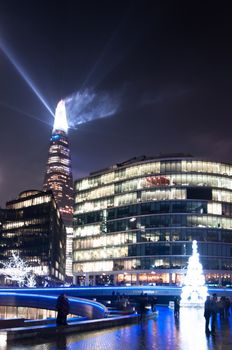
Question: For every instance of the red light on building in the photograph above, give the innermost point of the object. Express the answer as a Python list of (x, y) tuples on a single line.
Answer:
[(158, 181)]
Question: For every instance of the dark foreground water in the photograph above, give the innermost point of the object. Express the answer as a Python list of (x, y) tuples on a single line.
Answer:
[(161, 333)]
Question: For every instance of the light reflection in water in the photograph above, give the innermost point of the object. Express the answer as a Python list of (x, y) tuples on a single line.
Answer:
[(192, 326), (160, 333)]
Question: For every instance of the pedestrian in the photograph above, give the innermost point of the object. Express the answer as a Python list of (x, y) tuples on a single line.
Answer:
[(207, 314), (214, 310), (227, 307), (142, 308), (62, 307), (221, 307), (153, 303), (176, 307)]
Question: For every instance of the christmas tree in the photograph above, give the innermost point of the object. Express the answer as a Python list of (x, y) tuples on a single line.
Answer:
[(194, 291)]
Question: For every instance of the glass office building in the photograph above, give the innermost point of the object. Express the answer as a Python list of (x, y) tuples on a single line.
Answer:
[(31, 227), (134, 223)]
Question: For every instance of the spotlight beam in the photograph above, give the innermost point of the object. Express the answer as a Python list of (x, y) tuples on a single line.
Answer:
[(25, 76), (111, 53), (18, 110)]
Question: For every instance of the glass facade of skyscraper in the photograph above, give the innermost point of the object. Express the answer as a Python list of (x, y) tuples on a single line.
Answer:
[(31, 227), (134, 223), (58, 177)]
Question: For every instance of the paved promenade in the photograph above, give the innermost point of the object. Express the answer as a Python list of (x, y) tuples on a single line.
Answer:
[(161, 333)]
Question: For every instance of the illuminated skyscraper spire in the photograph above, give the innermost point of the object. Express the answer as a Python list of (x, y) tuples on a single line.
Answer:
[(60, 122), (58, 177)]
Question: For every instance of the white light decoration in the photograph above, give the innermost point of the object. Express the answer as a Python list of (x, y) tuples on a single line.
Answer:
[(194, 291), (60, 122), (17, 270), (30, 281)]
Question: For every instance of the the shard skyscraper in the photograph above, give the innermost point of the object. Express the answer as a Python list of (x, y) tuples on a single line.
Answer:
[(58, 177)]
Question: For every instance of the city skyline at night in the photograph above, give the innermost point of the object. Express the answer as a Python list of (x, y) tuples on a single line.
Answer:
[(161, 71), (115, 174)]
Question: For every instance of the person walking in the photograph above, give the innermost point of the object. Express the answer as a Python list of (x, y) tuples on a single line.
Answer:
[(176, 307), (214, 310), (227, 307), (153, 302), (62, 307), (141, 303), (207, 314)]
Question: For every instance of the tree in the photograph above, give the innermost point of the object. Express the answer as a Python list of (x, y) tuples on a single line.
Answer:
[(16, 269), (194, 291)]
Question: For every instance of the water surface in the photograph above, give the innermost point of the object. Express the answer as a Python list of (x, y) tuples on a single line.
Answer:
[(162, 332)]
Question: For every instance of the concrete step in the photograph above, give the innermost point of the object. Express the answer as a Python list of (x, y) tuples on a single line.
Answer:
[(49, 330)]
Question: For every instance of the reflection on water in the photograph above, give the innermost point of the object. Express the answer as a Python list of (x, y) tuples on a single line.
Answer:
[(161, 333), (25, 312)]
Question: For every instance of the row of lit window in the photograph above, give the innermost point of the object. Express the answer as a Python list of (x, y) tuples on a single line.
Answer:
[(100, 254), (59, 177), (27, 232), (59, 149), (148, 195), (158, 195), (56, 186), (29, 202), (163, 248), (152, 236), (149, 264), (164, 220), (18, 224), (154, 182), (58, 159), (63, 181), (170, 220), (154, 168), (56, 168), (174, 180), (161, 207), (130, 198), (104, 240)]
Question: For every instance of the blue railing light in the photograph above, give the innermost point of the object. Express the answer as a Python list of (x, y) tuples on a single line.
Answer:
[(74, 300)]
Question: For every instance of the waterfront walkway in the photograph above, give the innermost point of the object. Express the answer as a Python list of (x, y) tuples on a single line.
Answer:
[(162, 332)]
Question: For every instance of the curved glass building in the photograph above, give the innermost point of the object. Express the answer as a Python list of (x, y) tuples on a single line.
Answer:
[(134, 223)]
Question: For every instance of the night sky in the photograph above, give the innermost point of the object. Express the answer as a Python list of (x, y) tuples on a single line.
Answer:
[(169, 64)]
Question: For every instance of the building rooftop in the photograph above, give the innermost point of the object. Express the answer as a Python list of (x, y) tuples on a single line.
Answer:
[(143, 158)]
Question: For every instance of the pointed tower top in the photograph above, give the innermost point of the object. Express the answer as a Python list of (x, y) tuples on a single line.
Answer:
[(60, 122)]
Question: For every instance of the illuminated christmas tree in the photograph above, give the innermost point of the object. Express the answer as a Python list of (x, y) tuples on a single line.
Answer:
[(194, 291)]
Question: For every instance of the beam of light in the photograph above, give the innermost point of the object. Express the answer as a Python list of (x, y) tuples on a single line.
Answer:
[(25, 76), (60, 121), (18, 110), (101, 57), (112, 54), (87, 105)]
